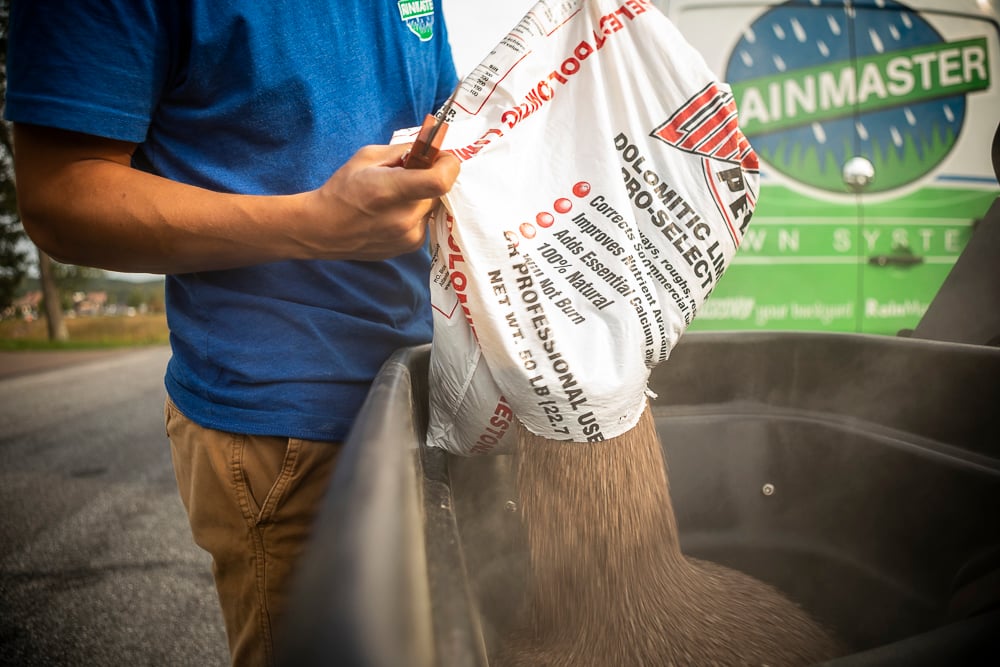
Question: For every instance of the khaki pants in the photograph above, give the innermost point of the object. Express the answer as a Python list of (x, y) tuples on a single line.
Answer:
[(251, 501)]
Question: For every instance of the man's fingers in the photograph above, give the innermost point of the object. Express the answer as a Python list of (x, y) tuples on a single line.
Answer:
[(432, 182)]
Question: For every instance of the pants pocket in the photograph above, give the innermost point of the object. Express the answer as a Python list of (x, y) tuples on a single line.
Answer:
[(263, 466)]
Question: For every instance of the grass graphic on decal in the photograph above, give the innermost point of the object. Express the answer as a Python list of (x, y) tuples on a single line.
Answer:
[(895, 166)]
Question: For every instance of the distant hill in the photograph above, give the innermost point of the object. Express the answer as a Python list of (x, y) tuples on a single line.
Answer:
[(119, 291)]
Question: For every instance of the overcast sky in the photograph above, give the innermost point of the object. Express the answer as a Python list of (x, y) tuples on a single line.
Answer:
[(474, 26)]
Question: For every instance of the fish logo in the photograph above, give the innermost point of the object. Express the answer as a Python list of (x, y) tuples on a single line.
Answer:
[(819, 83), (418, 15)]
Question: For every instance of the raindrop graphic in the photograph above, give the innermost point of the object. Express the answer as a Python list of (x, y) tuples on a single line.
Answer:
[(949, 114), (819, 133), (823, 48), (876, 41), (544, 219), (779, 32), (834, 26), (894, 31), (897, 138), (527, 230), (911, 119), (800, 32), (862, 131), (779, 63), (746, 58), (749, 35), (907, 21)]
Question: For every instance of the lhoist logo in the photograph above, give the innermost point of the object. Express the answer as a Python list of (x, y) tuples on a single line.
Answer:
[(819, 83), (418, 15), (706, 125)]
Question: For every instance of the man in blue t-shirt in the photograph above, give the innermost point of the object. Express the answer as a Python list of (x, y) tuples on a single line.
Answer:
[(240, 148)]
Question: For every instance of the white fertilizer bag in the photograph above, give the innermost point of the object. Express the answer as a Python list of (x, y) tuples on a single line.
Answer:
[(605, 187)]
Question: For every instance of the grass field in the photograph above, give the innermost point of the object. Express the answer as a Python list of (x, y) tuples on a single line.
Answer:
[(86, 333)]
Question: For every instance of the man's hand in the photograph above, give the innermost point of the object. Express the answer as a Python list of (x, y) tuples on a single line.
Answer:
[(371, 208)]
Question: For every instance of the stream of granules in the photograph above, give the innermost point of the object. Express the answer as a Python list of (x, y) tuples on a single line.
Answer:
[(609, 585)]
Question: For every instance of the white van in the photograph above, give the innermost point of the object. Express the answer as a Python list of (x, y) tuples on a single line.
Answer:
[(873, 120)]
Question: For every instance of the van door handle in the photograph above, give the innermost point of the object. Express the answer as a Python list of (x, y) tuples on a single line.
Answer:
[(895, 260)]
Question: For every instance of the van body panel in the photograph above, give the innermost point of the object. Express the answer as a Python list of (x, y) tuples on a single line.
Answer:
[(906, 91)]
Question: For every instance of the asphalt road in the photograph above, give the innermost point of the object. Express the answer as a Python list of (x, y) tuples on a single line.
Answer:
[(97, 566)]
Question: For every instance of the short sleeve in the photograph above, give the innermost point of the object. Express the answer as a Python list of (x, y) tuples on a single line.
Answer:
[(91, 66)]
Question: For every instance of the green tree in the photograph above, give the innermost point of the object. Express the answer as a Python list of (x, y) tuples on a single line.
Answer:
[(14, 255), (13, 241)]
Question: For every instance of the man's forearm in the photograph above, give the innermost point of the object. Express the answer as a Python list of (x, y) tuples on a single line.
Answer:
[(82, 203), (115, 217)]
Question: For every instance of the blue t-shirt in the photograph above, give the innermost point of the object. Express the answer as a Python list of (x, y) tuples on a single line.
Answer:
[(257, 98)]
